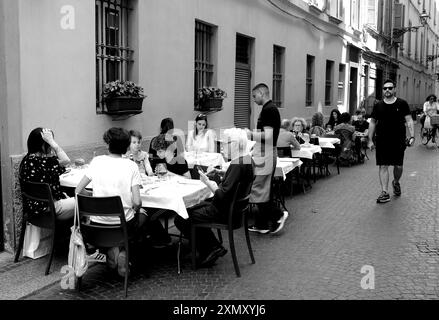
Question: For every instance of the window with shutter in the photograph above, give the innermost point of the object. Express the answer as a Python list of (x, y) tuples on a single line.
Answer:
[(398, 21), (372, 13)]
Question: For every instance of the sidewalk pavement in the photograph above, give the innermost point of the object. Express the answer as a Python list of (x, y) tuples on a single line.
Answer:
[(334, 231)]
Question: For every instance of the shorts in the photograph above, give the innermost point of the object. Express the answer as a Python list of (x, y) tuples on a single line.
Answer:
[(389, 153)]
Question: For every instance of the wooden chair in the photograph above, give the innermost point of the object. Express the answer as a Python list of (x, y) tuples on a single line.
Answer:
[(104, 236), (35, 191), (237, 218)]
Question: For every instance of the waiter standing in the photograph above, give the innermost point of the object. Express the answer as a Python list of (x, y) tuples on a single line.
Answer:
[(269, 217)]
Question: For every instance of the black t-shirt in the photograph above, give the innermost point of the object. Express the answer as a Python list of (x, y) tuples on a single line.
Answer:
[(390, 120), (361, 126), (270, 117), (177, 165)]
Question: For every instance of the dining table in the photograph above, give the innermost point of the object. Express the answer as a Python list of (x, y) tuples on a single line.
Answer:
[(328, 143), (208, 159), (306, 151), (170, 192)]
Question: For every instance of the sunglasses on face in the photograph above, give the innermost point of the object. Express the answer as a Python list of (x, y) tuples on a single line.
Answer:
[(387, 88)]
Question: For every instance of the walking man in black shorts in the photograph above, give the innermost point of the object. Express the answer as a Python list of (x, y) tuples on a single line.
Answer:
[(388, 120)]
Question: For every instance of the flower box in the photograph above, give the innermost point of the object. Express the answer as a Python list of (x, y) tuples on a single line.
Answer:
[(210, 104), (124, 105)]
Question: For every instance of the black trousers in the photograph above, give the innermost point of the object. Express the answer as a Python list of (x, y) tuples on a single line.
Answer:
[(205, 238)]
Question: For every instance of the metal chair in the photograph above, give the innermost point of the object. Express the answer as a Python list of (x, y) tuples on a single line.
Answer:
[(237, 218), (36, 191), (104, 236)]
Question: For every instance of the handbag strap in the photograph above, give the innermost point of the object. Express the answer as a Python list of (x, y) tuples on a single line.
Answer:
[(76, 223)]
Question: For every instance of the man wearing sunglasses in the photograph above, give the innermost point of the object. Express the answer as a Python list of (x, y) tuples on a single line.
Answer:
[(388, 122)]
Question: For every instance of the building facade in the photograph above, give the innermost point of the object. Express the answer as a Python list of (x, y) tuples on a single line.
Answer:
[(55, 56)]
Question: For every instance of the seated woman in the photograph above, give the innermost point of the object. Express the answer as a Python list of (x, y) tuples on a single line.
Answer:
[(240, 170), (346, 132), (201, 139), (166, 154), (137, 155), (286, 140), (113, 175), (317, 125), (334, 119), (166, 127), (44, 162), (299, 130)]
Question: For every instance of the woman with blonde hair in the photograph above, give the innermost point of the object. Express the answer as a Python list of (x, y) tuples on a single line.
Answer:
[(299, 130)]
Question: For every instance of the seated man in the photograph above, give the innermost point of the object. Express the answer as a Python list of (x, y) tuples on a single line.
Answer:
[(239, 171)]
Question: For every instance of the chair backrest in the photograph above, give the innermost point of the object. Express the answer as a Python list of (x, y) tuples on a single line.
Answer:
[(284, 152), (238, 206), (346, 143), (38, 191), (101, 235)]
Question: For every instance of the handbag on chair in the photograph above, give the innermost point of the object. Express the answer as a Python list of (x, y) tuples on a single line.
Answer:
[(77, 259)]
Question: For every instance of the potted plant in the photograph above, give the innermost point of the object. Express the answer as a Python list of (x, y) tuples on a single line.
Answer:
[(210, 98), (123, 97)]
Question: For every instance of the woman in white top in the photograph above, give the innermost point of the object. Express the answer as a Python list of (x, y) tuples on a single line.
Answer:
[(113, 175), (431, 108), (201, 139)]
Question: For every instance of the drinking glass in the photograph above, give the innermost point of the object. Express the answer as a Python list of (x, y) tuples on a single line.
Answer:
[(305, 137), (161, 171)]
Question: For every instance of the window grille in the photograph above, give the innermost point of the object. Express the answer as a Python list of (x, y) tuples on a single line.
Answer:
[(278, 54), (113, 52), (309, 80), (203, 74), (328, 82)]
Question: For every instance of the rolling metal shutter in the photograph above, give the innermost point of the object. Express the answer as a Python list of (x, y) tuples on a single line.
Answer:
[(242, 96)]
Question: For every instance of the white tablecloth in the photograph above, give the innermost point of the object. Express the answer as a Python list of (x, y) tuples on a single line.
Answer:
[(306, 152), (286, 165), (328, 142), (176, 193), (203, 158)]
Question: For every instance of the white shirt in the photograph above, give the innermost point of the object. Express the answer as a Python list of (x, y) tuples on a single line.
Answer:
[(114, 177), (431, 109), (203, 142)]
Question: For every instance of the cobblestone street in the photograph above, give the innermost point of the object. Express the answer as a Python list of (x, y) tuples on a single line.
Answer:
[(333, 231)]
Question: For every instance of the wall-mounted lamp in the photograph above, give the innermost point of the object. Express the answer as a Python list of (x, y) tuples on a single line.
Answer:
[(423, 17)]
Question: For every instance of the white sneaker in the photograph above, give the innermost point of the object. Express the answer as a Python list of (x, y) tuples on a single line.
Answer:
[(281, 222)]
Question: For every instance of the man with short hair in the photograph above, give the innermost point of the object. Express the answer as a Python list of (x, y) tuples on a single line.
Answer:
[(265, 157), (388, 120)]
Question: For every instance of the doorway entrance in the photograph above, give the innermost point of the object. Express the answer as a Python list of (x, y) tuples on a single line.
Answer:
[(353, 82)]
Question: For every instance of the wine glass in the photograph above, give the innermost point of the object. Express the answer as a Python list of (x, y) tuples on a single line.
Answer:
[(305, 138), (161, 170)]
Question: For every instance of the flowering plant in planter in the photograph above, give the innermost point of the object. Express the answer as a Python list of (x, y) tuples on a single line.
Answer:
[(121, 88), (205, 93), (210, 98), (123, 97)]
